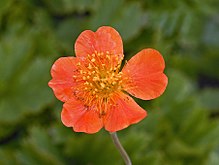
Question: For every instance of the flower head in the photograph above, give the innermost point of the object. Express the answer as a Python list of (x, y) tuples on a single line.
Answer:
[(94, 88)]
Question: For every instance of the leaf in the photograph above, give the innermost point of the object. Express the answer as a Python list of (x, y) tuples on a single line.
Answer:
[(208, 98), (77, 146), (178, 89), (38, 149), (62, 7), (24, 78), (67, 32), (214, 158), (7, 157), (127, 18), (4, 5), (211, 33), (29, 94), (179, 127)]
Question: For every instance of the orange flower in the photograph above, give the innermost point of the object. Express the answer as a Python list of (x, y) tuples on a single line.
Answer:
[(95, 90)]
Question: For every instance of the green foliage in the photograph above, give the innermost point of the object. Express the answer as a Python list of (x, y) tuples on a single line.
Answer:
[(182, 125), (118, 14)]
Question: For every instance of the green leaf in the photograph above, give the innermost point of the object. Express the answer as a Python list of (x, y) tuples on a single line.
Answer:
[(4, 6), (67, 32), (24, 77), (7, 157), (178, 89), (38, 149), (214, 158), (62, 7), (29, 94), (127, 18), (208, 98)]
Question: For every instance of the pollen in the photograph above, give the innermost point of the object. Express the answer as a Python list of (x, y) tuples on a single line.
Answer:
[(102, 85), (98, 77)]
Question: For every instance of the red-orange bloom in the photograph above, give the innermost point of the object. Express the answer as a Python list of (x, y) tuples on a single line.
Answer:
[(94, 89)]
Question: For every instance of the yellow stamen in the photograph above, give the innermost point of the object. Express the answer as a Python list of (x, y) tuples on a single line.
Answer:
[(101, 78)]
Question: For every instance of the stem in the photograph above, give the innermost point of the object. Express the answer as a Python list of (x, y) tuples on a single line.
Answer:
[(120, 148)]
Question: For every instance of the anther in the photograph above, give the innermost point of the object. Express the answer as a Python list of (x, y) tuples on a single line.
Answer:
[(89, 66), (95, 79), (102, 85), (113, 83)]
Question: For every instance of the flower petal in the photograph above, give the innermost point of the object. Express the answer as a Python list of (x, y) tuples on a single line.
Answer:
[(125, 111), (62, 81), (144, 71), (105, 39), (81, 118)]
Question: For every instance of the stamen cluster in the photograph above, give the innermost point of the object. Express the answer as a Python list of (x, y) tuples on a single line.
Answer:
[(97, 77)]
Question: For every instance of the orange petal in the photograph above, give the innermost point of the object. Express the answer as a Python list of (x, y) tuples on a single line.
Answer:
[(62, 81), (104, 39), (81, 118), (144, 71), (125, 111)]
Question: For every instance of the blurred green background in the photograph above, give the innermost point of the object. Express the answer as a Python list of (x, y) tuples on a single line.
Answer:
[(182, 127)]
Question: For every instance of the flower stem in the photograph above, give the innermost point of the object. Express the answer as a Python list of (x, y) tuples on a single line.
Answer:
[(120, 148)]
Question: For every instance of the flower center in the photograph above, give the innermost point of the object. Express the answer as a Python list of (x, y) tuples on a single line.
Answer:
[(98, 77)]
